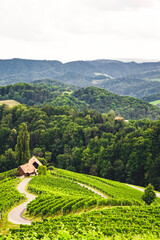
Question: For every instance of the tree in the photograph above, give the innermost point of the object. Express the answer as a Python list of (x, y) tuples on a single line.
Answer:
[(149, 195), (7, 160), (22, 147), (42, 170)]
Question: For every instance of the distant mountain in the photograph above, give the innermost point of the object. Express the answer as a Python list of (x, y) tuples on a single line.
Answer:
[(125, 78), (137, 60), (152, 97)]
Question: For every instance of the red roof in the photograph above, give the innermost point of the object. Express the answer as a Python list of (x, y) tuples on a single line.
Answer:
[(34, 159), (29, 167)]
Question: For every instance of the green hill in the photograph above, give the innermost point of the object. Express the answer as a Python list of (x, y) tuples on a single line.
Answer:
[(64, 209), (83, 141), (127, 107), (124, 78), (59, 94)]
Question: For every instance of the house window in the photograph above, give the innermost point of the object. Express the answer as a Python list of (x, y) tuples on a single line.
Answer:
[(35, 165)]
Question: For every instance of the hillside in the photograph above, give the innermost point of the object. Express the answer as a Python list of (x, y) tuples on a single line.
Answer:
[(10, 103), (87, 142), (131, 86), (152, 97), (59, 94), (61, 201), (127, 107), (131, 78)]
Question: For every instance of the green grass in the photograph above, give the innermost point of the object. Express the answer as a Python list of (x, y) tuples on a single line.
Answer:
[(155, 79), (155, 102), (9, 103)]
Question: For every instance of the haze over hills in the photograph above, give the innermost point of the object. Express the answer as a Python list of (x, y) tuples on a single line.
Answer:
[(124, 78)]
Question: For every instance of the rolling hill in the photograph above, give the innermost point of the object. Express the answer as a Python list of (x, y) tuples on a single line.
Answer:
[(104, 101), (131, 78), (60, 94)]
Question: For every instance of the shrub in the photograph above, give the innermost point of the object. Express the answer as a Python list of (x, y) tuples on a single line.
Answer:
[(149, 195)]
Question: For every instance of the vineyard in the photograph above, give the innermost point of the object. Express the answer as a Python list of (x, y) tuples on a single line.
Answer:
[(9, 195), (63, 209), (9, 174), (58, 194), (57, 186), (62, 195), (126, 222), (111, 188)]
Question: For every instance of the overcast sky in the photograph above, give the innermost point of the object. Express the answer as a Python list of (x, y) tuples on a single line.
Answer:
[(69, 30)]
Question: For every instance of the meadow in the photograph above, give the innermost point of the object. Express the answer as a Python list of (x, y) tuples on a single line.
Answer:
[(9, 103), (157, 102)]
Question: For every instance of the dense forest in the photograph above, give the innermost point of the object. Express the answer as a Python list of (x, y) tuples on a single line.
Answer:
[(87, 142), (59, 94)]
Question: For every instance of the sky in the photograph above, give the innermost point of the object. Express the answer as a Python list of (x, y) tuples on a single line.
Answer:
[(69, 30)]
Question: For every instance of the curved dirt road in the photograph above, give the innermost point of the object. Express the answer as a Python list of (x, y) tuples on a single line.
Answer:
[(141, 189), (15, 216), (93, 190)]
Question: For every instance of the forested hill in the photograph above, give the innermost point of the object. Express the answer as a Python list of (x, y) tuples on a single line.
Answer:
[(131, 78), (59, 94), (86, 142), (128, 107)]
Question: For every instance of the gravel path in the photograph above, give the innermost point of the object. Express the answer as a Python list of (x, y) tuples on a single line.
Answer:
[(93, 190), (141, 189), (15, 216)]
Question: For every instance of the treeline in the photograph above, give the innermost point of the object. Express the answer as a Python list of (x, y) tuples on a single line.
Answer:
[(86, 142), (59, 94)]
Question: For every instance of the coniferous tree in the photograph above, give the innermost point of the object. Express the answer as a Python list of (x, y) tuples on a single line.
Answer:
[(22, 147)]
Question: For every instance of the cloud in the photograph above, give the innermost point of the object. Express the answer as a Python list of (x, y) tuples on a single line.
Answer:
[(119, 5), (78, 28), (52, 20)]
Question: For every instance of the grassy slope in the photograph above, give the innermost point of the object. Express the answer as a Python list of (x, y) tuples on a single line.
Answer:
[(155, 102), (9, 103)]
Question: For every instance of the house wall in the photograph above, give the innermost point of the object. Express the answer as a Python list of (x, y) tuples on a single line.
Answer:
[(20, 172)]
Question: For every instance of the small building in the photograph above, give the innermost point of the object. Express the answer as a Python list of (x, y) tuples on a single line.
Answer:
[(119, 119), (29, 168)]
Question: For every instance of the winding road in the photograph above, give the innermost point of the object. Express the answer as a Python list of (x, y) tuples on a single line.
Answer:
[(141, 189), (93, 190), (15, 216)]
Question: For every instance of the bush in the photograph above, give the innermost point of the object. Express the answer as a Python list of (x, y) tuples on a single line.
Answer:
[(42, 170), (149, 195)]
